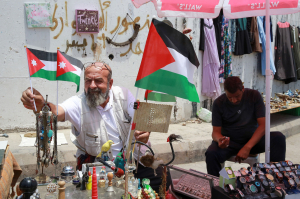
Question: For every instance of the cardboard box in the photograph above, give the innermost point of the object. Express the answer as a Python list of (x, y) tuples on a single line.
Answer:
[(227, 177), (3, 154)]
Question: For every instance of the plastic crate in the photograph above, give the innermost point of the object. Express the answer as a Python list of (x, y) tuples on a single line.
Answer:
[(294, 111)]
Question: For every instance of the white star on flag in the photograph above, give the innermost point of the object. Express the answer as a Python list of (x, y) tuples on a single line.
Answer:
[(33, 62), (62, 65)]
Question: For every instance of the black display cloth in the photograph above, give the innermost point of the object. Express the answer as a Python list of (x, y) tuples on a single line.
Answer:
[(218, 193)]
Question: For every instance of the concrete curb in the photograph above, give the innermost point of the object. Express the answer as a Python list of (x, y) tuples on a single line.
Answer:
[(196, 140)]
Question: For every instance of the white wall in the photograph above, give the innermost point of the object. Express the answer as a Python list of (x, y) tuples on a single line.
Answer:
[(14, 34)]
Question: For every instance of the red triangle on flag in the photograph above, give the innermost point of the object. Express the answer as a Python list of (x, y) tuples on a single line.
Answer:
[(146, 93), (156, 54), (63, 65), (34, 63)]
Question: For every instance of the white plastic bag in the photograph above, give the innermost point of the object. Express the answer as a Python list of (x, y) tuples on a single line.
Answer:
[(204, 114)]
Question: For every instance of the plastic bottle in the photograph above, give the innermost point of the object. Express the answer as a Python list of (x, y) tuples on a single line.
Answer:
[(89, 183), (94, 185)]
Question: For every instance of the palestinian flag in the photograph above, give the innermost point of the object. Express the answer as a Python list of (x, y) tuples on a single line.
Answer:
[(41, 64), (68, 68), (159, 96), (168, 63)]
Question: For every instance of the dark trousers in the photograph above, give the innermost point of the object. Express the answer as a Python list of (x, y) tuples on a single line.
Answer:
[(84, 159), (215, 155), (155, 181)]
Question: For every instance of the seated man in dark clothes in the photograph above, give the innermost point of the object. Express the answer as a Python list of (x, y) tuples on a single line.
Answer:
[(238, 120)]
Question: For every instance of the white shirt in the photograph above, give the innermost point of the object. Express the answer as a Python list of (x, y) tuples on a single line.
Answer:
[(72, 108)]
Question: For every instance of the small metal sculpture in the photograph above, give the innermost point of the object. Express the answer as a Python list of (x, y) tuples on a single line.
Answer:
[(151, 160), (85, 179), (102, 175), (110, 176), (117, 171), (68, 171), (46, 128)]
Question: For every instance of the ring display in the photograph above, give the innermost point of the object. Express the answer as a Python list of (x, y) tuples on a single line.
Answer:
[(229, 171), (253, 188), (242, 180), (283, 163), (278, 165), (267, 179), (257, 184), (265, 183), (251, 178), (237, 173), (289, 163), (287, 168)]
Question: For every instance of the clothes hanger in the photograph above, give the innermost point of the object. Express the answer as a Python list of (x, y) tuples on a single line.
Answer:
[(282, 20)]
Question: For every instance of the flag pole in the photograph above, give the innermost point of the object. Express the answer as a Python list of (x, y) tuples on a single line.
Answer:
[(56, 107), (56, 98), (30, 79), (128, 139), (128, 145), (57, 90), (268, 84)]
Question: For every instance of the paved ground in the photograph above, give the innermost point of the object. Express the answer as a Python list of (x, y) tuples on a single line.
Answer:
[(189, 152)]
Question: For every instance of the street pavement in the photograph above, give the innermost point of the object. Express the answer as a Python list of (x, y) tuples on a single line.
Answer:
[(189, 152)]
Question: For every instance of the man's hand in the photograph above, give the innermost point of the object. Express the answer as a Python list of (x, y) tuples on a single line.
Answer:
[(142, 136), (223, 142), (242, 154), (27, 99)]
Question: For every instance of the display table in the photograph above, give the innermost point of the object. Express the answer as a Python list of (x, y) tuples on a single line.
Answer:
[(289, 107), (73, 192), (218, 192)]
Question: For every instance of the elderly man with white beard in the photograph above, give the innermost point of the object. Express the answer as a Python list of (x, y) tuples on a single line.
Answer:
[(103, 112)]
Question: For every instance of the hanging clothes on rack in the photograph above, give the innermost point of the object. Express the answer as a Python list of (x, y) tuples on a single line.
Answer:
[(242, 45), (249, 20), (284, 61), (271, 27), (254, 36), (296, 48), (232, 30), (211, 64), (202, 39), (262, 37), (299, 33), (218, 26), (225, 65)]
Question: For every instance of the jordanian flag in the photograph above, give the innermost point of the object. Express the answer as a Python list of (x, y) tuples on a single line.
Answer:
[(159, 96), (54, 66), (68, 68), (41, 64), (168, 63)]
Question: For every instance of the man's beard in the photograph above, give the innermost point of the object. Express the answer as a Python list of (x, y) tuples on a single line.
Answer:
[(97, 98)]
